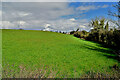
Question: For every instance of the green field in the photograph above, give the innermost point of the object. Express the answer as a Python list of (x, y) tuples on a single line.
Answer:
[(30, 53)]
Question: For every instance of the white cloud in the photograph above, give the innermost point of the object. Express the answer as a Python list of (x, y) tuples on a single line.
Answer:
[(82, 26), (45, 16), (86, 8), (47, 25), (47, 29), (37, 11), (105, 6), (112, 25), (22, 22), (60, 24), (91, 7), (22, 14), (72, 19), (7, 25), (37, 16)]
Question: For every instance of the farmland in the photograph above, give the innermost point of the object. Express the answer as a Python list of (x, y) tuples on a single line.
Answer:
[(30, 53)]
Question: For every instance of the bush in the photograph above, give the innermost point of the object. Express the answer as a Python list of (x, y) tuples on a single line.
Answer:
[(72, 32), (81, 34), (116, 40)]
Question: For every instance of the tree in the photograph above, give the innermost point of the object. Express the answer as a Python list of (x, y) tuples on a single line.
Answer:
[(102, 21), (95, 24), (116, 35), (109, 38), (100, 31), (106, 26), (77, 30), (115, 14), (72, 32), (98, 23)]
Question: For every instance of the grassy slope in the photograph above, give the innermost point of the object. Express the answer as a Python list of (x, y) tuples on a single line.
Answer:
[(0, 53), (60, 53)]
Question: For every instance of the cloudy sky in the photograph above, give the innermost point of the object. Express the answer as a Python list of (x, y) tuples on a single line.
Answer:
[(61, 16)]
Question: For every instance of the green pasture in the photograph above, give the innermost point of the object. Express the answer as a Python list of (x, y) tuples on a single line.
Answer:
[(30, 53)]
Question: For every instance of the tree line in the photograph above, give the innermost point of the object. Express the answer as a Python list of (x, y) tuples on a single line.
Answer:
[(102, 32)]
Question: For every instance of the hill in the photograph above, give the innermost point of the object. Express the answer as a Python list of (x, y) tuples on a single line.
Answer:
[(30, 53)]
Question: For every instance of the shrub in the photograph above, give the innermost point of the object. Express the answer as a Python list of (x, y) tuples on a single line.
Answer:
[(72, 32)]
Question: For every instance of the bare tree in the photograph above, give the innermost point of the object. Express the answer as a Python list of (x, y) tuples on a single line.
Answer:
[(116, 14)]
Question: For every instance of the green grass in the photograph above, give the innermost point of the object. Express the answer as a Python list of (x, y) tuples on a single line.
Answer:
[(0, 54), (27, 52)]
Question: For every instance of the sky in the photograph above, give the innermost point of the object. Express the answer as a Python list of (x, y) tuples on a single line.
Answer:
[(53, 16)]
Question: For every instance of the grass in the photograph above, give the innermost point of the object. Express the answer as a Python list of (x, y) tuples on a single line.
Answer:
[(0, 54), (29, 53)]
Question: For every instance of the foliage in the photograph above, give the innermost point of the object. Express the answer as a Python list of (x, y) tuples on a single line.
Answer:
[(81, 34), (104, 34), (72, 32), (116, 38), (100, 33)]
